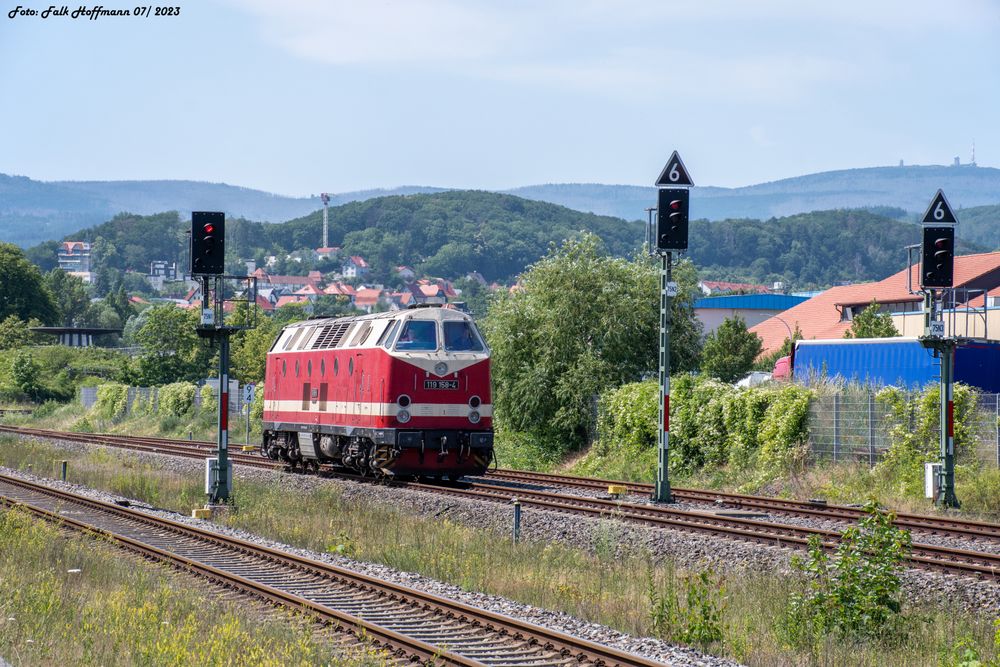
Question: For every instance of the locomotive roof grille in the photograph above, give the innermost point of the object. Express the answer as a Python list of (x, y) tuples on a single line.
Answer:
[(330, 335)]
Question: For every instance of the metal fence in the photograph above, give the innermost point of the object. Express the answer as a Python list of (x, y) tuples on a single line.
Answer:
[(88, 397), (856, 426)]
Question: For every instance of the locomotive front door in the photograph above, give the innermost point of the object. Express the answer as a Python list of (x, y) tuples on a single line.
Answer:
[(359, 390)]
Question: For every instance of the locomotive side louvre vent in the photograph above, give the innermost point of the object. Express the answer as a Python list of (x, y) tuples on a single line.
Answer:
[(330, 335)]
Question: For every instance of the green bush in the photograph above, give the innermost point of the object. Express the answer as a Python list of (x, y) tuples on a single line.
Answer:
[(695, 618), (763, 429), (628, 417), (176, 399), (855, 593), (784, 432), (112, 401), (913, 430), (209, 404)]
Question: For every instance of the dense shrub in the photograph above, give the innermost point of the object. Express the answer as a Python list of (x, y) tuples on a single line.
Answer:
[(176, 399), (209, 403), (711, 424), (913, 430), (112, 401)]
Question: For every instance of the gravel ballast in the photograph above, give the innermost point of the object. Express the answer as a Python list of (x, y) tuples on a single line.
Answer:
[(692, 549), (458, 510)]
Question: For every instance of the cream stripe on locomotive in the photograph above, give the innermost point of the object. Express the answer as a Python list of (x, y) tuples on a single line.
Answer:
[(382, 409)]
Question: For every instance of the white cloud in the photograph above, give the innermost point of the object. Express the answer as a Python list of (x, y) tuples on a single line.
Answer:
[(754, 52), (340, 32)]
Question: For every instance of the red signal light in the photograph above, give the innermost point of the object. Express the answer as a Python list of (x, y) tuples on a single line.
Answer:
[(675, 204), (208, 229)]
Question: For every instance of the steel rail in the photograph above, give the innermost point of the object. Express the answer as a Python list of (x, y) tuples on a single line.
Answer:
[(956, 561), (533, 644), (965, 528)]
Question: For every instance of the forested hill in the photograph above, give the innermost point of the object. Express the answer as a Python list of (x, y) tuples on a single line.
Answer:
[(806, 251), (981, 225), (33, 211), (445, 234), (450, 233)]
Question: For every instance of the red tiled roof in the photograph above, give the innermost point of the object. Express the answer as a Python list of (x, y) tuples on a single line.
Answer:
[(893, 288), (367, 297), (71, 247), (429, 290), (292, 298), (309, 289), (819, 317), (264, 304), (359, 262)]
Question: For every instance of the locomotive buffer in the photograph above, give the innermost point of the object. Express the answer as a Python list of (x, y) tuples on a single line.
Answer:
[(208, 236)]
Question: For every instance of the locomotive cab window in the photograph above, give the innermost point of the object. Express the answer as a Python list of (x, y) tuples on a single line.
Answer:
[(461, 336), (387, 335), (420, 335)]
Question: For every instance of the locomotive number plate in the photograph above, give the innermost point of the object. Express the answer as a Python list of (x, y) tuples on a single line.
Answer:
[(440, 384)]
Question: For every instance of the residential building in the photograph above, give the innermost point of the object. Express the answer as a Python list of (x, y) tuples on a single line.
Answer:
[(74, 259), (354, 267)]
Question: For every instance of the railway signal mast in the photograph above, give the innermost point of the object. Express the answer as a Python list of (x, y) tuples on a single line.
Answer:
[(669, 233), (208, 246), (937, 268)]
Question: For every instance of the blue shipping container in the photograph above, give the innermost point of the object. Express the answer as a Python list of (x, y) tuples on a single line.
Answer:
[(895, 361)]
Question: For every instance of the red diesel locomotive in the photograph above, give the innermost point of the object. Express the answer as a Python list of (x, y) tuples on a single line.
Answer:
[(403, 394)]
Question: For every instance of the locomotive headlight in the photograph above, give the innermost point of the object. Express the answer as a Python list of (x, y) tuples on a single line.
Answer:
[(474, 416), (403, 416), (440, 368), (474, 402), (403, 401)]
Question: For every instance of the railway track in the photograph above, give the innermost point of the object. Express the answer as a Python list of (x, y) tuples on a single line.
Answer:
[(952, 560), (947, 526), (407, 623)]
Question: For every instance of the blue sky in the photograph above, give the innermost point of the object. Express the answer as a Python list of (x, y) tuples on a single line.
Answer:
[(302, 96)]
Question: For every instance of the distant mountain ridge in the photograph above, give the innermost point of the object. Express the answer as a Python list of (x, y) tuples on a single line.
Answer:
[(909, 188), (34, 211)]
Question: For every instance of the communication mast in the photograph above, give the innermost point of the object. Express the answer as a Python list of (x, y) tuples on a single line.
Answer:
[(326, 218)]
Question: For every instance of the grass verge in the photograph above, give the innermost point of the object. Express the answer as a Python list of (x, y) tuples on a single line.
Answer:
[(67, 600), (611, 582)]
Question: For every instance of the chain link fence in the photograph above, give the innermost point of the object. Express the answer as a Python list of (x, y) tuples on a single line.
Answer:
[(853, 426), (88, 397)]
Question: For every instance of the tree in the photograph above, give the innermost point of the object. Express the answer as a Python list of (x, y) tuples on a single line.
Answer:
[(71, 297), (14, 333), (579, 323), (26, 374), (730, 350), (250, 347), (872, 323), (22, 288), (171, 348), (330, 305)]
